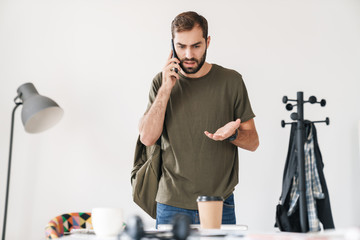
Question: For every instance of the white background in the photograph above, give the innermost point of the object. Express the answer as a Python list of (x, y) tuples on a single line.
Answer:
[(97, 60)]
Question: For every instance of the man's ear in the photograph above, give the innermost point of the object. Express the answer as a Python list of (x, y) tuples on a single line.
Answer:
[(208, 42)]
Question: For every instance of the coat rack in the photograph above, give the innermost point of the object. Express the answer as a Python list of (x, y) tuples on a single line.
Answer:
[(300, 136)]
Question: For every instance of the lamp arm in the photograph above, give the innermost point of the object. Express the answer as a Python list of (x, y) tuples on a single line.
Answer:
[(9, 166)]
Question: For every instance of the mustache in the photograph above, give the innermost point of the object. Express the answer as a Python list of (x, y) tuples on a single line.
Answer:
[(189, 59)]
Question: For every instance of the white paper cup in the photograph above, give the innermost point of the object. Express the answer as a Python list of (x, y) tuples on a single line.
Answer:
[(107, 222)]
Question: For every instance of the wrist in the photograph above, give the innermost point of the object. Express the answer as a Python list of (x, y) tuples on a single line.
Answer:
[(164, 91), (233, 137)]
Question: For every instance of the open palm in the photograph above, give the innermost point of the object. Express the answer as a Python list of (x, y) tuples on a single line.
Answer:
[(224, 132)]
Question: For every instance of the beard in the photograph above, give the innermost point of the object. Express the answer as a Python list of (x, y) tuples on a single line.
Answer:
[(199, 63)]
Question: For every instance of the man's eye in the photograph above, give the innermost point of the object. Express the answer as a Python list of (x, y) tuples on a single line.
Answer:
[(181, 47), (196, 46)]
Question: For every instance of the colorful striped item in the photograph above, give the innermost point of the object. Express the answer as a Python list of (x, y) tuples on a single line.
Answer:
[(63, 224)]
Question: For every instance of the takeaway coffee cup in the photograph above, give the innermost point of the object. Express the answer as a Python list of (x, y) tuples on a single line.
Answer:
[(210, 211), (107, 222)]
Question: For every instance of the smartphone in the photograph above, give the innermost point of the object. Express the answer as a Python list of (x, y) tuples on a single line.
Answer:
[(174, 52)]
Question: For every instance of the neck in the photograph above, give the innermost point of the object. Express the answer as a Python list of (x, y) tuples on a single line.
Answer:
[(202, 72)]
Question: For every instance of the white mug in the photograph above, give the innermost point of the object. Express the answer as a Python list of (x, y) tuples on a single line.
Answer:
[(107, 222)]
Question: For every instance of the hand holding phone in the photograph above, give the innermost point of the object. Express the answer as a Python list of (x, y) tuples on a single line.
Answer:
[(174, 55)]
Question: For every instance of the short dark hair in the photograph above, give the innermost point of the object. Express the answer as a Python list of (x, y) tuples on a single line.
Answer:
[(188, 20)]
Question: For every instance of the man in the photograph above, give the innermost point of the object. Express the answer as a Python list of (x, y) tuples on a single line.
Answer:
[(202, 113)]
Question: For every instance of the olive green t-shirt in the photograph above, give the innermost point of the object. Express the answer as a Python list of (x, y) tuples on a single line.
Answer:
[(193, 164)]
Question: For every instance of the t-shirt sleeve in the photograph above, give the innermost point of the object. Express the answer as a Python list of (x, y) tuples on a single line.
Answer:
[(155, 85), (243, 108)]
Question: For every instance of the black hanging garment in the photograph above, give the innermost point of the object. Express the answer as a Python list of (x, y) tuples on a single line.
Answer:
[(317, 195)]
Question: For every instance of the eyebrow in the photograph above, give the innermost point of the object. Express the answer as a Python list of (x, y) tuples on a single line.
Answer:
[(180, 44)]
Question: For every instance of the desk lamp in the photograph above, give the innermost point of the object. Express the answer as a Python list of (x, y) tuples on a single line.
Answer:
[(39, 113)]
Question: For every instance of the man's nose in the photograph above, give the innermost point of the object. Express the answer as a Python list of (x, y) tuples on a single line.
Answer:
[(188, 53)]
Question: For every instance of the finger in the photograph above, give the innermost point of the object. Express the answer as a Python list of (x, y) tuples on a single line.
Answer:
[(172, 63), (209, 135), (173, 60), (173, 67), (170, 56), (218, 137), (174, 74), (238, 121), (215, 136)]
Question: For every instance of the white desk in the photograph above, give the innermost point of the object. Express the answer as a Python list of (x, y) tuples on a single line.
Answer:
[(346, 234)]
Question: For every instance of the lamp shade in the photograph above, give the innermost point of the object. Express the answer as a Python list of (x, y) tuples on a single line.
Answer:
[(39, 113)]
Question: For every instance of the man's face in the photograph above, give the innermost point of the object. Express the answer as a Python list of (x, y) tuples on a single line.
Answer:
[(190, 47)]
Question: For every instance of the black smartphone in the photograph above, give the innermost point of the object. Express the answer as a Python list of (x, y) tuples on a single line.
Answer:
[(173, 49), (174, 52)]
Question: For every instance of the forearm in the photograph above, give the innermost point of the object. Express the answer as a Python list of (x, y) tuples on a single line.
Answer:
[(247, 139), (151, 124)]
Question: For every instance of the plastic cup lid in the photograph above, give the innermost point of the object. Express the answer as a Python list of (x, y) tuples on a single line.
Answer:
[(209, 198)]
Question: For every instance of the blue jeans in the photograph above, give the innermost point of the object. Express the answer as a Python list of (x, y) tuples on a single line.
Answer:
[(165, 213)]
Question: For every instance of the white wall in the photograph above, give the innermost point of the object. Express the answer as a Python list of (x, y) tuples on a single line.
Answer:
[(97, 59)]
